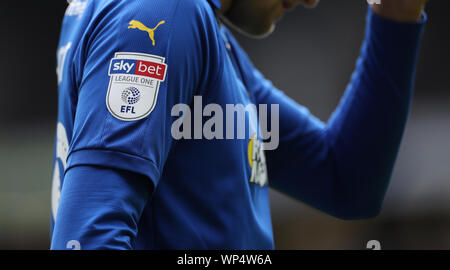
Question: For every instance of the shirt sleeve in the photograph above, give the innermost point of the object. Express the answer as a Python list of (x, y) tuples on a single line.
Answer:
[(112, 153), (343, 167), (100, 208), (137, 60)]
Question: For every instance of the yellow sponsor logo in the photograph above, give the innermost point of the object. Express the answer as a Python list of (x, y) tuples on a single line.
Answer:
[(250, 150), (140, 26), (257, 162)]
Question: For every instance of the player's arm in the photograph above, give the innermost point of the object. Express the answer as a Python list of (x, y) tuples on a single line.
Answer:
[(100, 208), (343, 167), (116, 161)]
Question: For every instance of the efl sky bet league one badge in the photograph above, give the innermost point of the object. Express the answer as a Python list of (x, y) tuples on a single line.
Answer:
[(134, 83)]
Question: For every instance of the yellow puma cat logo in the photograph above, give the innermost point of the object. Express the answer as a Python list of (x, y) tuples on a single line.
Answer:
[(151, 31)]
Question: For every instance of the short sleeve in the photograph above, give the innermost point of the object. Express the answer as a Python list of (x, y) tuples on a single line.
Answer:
[(136, 60)]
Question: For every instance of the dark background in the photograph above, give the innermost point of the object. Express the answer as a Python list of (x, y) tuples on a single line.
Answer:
[(310, 57)]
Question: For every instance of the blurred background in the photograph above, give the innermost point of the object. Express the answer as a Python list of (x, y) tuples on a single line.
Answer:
[(311, 57)]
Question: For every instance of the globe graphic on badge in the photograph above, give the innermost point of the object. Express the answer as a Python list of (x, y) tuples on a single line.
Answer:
[(131, 95)]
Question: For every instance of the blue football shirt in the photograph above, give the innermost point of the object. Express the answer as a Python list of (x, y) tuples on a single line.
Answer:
[(123, 65), (123, 68)]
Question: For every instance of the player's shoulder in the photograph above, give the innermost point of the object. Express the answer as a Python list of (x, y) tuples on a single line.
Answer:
[(181, 21), (178, 15), (187, 7)]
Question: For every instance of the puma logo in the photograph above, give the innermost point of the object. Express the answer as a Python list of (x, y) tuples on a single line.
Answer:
[(151, 31)]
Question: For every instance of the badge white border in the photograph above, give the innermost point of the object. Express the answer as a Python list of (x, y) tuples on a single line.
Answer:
[(144, 58)]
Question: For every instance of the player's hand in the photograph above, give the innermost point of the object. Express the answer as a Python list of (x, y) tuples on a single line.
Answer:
[(400, 10)]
